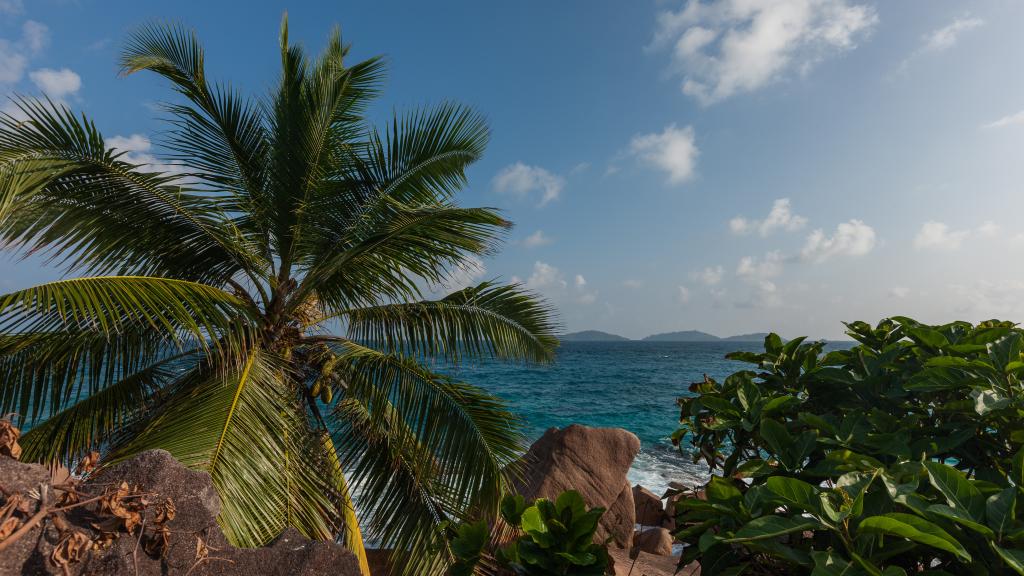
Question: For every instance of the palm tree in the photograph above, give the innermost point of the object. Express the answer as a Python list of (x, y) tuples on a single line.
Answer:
[(207, 316)]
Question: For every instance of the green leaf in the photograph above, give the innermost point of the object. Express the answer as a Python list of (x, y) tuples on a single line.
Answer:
[(796, 493), (913, 528), (960, 517), (957, 489), (1001, 511), (771, 527), (1013, 558)]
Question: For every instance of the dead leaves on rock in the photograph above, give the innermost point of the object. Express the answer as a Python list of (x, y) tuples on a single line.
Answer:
[(118, 510), (9, 439)]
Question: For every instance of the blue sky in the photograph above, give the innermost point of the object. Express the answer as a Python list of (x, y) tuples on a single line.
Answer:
[(728, 166)]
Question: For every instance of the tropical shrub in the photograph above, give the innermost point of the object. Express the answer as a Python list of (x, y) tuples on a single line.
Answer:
[(900, 455), (270, 307), (557, 539)]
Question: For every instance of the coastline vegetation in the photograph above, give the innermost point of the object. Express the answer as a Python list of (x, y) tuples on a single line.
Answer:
[(262, 309), (902, 455)]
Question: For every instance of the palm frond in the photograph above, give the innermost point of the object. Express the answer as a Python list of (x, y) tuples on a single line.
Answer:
[(470, 435), (401, 499), (64, 193), (241, 424), (98, 417), (174, 309), (484, 320), (220, 136), (45, 372), (412, 245)]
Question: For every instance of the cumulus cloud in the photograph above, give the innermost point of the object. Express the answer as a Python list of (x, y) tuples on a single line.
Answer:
[(780, 217), (583, 295), (726, 47), (853, 238), (751, 268), (674, 151), (545, 277), (946, 37), (465, 274), (939, 236), (521, 180), (138, 150), (14, 55), (710, 276), (56, 84), (11, 7), (989, 299), (536, 240), (35, 35), (900, 292), (1009, 120), (683, 295)]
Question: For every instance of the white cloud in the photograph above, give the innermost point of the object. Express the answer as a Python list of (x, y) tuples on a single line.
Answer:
[(137, 151), (584, 296), (11, 7), (989, 229), (989, 299), (726, 47), (12, 63), (56, 83), (758, 274), (633, 283), (521, 180), (710, 276), (756, 270), (463, 275), (579, 168), (536, 240), (947, 36), (545, 276), (900, 292), (35, 35), (673, 151), (780, 217), (853, 238), (683, 295), (1010, 120), (939, 236), (14, 56)]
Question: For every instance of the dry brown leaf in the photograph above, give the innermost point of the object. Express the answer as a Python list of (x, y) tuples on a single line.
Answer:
[(71, 548), (165, 512), (8, 527), (202, 550), (159, 542), (9, 439), (88, 463)]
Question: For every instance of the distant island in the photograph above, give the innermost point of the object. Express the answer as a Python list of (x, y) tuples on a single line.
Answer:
[(682, 336), (592, 336)]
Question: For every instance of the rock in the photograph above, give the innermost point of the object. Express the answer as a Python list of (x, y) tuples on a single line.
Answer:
[(657, 541), (197, 505), (649, 511), (592, 461), (649, 565)]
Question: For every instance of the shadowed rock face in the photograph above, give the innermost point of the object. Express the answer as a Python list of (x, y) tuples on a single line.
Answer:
[(649, 511), (197, 506), (592, 461)]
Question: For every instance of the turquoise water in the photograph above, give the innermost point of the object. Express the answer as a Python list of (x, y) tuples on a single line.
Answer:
[(631, 385)]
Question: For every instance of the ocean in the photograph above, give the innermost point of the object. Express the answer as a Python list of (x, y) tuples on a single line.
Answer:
[(631, 385)]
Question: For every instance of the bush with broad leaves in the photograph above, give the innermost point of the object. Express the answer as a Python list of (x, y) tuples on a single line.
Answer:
[(901, 455)]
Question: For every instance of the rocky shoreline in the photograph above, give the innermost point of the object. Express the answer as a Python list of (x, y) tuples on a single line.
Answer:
[(592, 461)]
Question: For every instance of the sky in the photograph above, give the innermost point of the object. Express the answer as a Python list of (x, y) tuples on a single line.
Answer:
[(729, 166)]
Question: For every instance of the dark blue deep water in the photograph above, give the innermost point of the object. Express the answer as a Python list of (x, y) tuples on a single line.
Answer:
[(631, 385)]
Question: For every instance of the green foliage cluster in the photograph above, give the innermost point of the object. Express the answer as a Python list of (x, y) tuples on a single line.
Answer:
[(900, 455), (557, 539)]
